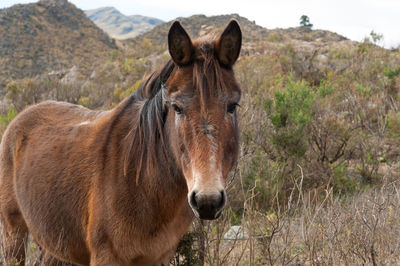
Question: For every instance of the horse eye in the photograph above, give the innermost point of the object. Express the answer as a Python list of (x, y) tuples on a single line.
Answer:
[(232, 107), (177, 109)]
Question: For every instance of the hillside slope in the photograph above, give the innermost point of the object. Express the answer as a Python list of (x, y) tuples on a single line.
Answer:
[(312, 47), (198, 25), (119, 26), (48, 35)]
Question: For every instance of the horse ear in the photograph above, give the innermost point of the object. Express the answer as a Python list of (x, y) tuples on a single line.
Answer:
[(179, 44), (229, 43)]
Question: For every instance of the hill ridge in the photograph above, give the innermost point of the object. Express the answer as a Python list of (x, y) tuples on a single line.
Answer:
[(121, 26), (48, 35)]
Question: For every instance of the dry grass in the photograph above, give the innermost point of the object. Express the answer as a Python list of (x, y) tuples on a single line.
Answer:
[(354, 230)]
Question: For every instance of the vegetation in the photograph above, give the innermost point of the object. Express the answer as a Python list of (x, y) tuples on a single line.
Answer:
[(305, 21)]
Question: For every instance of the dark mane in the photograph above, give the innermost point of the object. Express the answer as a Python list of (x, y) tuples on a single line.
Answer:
[(149, 88), (145, 136)]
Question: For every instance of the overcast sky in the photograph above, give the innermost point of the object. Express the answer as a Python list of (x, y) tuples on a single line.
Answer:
[(354, 19)]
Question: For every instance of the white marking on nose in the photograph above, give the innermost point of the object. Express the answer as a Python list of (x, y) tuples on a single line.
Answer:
[(209, 181)]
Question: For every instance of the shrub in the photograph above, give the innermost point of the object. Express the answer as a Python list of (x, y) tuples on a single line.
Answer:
[(5, 119), (187, 253), (393, 125), (391, 73), (23, 93), (325, 89), (290, 114), (274, 37)]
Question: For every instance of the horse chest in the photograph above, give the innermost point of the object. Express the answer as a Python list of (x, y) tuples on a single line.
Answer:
[(153, 241), (163, 243)]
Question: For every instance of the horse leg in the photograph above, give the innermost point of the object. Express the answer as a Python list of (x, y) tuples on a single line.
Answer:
[(14, 235)]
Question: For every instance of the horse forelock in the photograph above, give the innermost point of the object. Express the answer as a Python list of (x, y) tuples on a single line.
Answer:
[(207, 71)]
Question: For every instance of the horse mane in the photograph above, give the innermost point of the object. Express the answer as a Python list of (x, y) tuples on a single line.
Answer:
[(145, 136)]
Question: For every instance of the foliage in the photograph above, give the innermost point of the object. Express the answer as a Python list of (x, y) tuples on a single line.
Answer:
[(114, 55), (343, 183), (25, 93), (186, 254), (376, 37), (290, 114), (393, 125), (274, 37), (325, 89), (5, 119), (305, 21), (120, 94), (392, 73)]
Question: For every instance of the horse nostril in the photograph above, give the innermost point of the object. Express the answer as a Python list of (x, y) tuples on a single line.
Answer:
[(222, 199), (193, 201)]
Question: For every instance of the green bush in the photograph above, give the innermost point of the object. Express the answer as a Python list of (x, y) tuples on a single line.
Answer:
[(393, 125), (325, 89), (187, 253), (343, 182), (391, 73), (114, 55), (84, 101), (290, 113), (5, 119)]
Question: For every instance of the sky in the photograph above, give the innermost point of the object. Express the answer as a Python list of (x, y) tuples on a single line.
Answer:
[(354, 19)]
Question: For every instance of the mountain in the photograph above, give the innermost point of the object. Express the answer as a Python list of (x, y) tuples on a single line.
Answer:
[(308, 49), (198, 25), (119, 26), (48, 35)]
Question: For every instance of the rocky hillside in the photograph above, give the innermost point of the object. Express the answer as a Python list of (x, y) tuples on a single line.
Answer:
[(54, 35), (200, 24), (312, 48), (119, 26), (48, 35)]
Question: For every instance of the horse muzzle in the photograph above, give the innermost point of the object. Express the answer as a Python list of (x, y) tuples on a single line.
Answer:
[(207, 206)]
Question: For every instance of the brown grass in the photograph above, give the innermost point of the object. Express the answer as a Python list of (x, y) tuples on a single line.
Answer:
[(357, 230)]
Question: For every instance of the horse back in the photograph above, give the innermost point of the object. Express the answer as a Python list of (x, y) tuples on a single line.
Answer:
[(45, 127)]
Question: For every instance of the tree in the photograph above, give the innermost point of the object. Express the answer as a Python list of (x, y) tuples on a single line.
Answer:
[(305, 21), (376, 37)]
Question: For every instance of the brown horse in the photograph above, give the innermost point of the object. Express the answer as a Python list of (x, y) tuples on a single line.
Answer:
[(121, 187)]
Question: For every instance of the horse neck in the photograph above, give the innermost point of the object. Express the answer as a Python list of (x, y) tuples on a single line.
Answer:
[(165, 181)]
